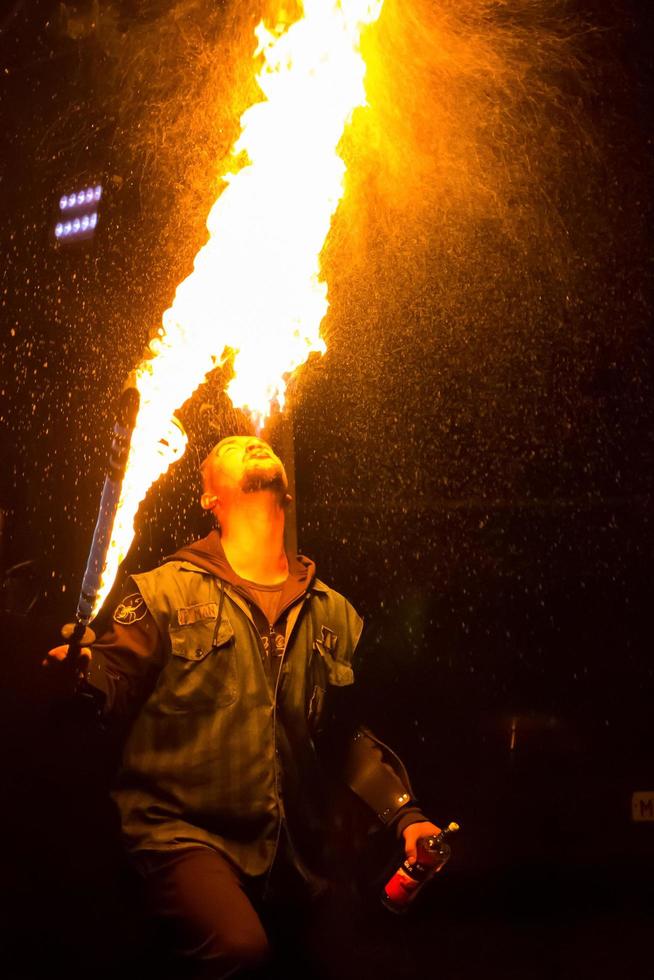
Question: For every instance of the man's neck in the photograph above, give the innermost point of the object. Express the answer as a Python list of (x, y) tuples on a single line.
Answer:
[(252, 537)]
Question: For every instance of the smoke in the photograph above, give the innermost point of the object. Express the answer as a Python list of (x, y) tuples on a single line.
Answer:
[(477, 117), (175, 78)]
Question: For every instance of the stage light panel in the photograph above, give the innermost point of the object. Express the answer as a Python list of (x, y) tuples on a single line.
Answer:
[(77, 216), (77, 228)]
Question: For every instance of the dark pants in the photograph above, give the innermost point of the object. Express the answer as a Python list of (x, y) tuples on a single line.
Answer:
[(213, 919)]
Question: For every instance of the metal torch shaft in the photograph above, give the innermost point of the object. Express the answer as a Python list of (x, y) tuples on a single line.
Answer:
[(77, 634)]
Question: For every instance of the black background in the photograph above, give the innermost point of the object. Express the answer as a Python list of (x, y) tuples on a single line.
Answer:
[(473, 454)]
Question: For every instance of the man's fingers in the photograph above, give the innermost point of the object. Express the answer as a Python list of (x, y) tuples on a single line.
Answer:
[(57, 653), (415, 836), (60, 653), (411, 845)]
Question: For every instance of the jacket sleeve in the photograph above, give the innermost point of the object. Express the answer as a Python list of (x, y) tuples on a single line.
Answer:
[(126, 661), (378, 777), (369, 767)]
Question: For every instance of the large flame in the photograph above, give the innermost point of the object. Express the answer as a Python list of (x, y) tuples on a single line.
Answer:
[(255, 290)]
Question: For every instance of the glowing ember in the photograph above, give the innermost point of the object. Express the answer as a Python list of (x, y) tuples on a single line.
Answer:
[(255, 290)]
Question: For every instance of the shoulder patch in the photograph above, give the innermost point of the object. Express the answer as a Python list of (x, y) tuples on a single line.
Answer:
[(131, 609)]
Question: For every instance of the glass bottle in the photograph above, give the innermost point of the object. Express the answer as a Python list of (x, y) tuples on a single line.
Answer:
[(403, 886)]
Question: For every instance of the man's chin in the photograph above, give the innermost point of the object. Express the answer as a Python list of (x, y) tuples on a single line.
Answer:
[(258, 478)]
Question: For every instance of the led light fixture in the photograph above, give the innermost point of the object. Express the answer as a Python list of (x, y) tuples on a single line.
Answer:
[(77, 216), (77, 228)]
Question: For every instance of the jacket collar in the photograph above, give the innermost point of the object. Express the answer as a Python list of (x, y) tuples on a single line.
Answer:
[(207, 554)]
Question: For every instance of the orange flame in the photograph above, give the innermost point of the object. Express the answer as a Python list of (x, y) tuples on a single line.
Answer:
[(255, 289)]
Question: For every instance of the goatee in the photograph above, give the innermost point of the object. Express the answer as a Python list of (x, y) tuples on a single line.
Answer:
[(256, 480)]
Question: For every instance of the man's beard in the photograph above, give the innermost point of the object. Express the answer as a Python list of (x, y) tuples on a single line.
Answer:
[(269, 478)]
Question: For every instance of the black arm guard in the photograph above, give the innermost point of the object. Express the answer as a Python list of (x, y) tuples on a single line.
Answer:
[(376, 775)]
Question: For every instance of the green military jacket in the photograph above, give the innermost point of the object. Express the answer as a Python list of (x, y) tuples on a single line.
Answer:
[(220, 753)]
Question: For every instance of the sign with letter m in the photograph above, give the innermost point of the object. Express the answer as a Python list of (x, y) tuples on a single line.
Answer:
[(642, 806)]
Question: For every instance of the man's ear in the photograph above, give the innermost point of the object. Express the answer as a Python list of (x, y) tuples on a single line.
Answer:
[(208, 500)]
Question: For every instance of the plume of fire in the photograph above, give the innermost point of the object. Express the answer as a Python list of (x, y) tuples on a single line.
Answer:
[(255, 292)]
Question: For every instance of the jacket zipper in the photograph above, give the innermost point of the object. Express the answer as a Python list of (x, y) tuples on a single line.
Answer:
[(280, 804)]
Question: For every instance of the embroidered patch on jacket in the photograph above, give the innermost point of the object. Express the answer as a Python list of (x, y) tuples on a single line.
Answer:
[(131, 609), (193, 614), (279, 644), (329, 639)]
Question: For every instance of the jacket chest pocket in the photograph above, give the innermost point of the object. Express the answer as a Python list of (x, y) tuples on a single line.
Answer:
[(201, 674), (327, 674)]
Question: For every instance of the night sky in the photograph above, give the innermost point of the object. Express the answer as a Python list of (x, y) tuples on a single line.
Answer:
[(473, 453)]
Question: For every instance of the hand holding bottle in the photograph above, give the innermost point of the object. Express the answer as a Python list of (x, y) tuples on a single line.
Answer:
[(431, 854), (414, 837)]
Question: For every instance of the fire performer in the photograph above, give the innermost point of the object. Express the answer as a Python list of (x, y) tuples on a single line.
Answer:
[(234, 663)]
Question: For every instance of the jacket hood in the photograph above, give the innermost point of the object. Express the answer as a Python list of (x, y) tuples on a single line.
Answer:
[(207, 553)]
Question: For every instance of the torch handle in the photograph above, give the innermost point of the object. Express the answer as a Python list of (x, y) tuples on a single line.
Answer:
[(86, 695), (77, 635)]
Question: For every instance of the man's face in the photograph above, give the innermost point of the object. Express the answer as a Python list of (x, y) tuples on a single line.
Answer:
[(242, 464)]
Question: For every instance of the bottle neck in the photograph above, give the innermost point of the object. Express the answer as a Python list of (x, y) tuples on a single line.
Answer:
[(432, 843)]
